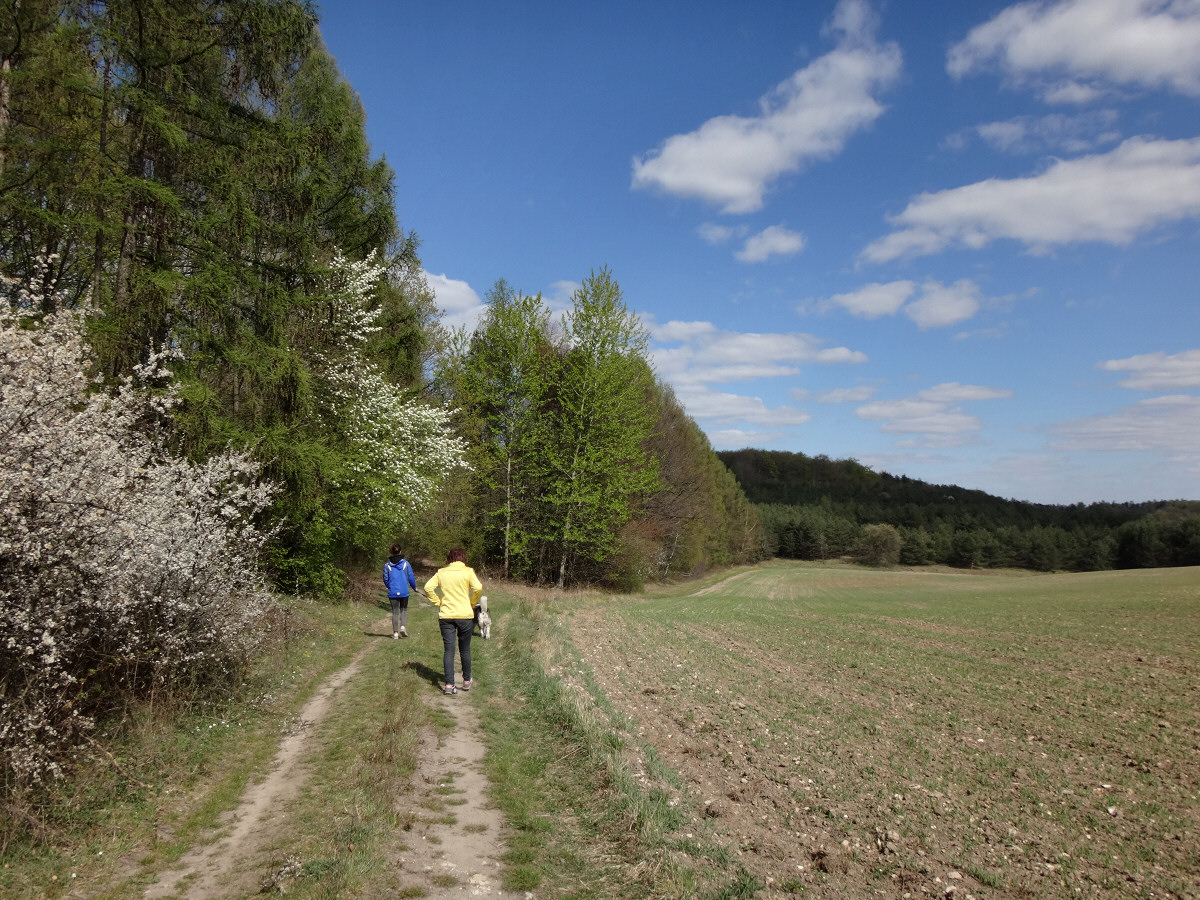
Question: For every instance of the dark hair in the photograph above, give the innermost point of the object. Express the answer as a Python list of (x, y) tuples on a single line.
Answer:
[(396, 551), (458, 554)]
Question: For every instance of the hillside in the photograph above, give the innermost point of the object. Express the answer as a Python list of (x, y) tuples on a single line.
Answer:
[(775, 476), (815, 507)]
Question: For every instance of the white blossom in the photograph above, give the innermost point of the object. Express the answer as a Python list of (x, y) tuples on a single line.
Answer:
[(397, 449), (120, 566)]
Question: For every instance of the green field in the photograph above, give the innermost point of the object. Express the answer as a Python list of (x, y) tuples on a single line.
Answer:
[(845, 732)]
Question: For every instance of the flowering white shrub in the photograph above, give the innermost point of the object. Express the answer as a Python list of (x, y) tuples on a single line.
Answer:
[(397, 450), (122, 569)]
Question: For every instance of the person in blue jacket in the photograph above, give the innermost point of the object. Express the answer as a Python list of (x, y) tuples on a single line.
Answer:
[(398, 577)]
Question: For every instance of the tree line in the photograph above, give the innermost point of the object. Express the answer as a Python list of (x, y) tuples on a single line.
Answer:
[(814, 507), (584, 467), (198, 172)]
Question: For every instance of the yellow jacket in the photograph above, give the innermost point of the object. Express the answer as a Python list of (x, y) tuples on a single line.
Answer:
[(460, 591)]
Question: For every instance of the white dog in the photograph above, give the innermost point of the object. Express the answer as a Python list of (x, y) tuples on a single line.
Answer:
[(483, 619)]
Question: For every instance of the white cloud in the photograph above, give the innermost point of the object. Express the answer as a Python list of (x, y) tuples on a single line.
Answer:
[(731, 160), (910, 414), (841, 355), (847, 395), (718, 234), (953, 392), (932, 413), (938, 304), (1057, 133), (874, 300), (1004, 135), (941, 305), (1109, 197), (718, 347), (773, 241), (1071, 92), (1164, 425), (1141, 43), (558, 295), (736, 439), (705, 356), (718, 407), (1158, 371), (457, 299), (679, 331), (712, 356)]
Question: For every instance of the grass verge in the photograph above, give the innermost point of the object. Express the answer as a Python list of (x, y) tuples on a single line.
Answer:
[(594, 813), (152, 782)]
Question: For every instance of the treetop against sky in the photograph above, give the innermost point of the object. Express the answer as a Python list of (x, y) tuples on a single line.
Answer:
[(955, 241)]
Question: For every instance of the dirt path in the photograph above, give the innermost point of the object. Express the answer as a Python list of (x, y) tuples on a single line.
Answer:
[(205, 872), (461, 859), (444, 860)]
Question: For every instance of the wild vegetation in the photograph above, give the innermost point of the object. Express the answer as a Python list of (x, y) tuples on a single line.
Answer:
[(814, 507), (218, 350), (122, 569)]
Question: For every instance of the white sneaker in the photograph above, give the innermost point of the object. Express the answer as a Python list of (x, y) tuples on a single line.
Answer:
[(395, 635), (403, 631)]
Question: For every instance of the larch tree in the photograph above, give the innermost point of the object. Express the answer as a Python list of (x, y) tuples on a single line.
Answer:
[(196, 166)]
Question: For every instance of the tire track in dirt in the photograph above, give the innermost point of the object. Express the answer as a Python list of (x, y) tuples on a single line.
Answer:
[(204, 872), (447, 861), (460, 859)]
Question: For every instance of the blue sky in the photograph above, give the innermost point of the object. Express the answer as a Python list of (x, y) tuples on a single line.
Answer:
[(957, 241)]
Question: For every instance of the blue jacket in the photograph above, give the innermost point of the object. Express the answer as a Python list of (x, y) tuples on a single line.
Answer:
[(398, 576)]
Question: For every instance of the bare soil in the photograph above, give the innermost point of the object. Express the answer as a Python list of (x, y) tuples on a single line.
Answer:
[(842, 774)]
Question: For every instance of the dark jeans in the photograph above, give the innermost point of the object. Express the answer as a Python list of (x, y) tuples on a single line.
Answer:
[(462, 628)]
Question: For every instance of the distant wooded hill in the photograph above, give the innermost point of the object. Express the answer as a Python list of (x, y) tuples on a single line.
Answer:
[(817, 507)]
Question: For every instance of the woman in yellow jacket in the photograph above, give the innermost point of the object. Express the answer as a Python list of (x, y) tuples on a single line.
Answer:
[(456, 590)]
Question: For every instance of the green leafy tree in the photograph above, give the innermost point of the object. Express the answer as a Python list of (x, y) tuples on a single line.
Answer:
[(566, 429), (593, 464), (699, 516), (879, 545), (505, 380)]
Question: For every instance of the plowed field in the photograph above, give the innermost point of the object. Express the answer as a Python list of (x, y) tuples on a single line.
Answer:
[(856, 733)]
